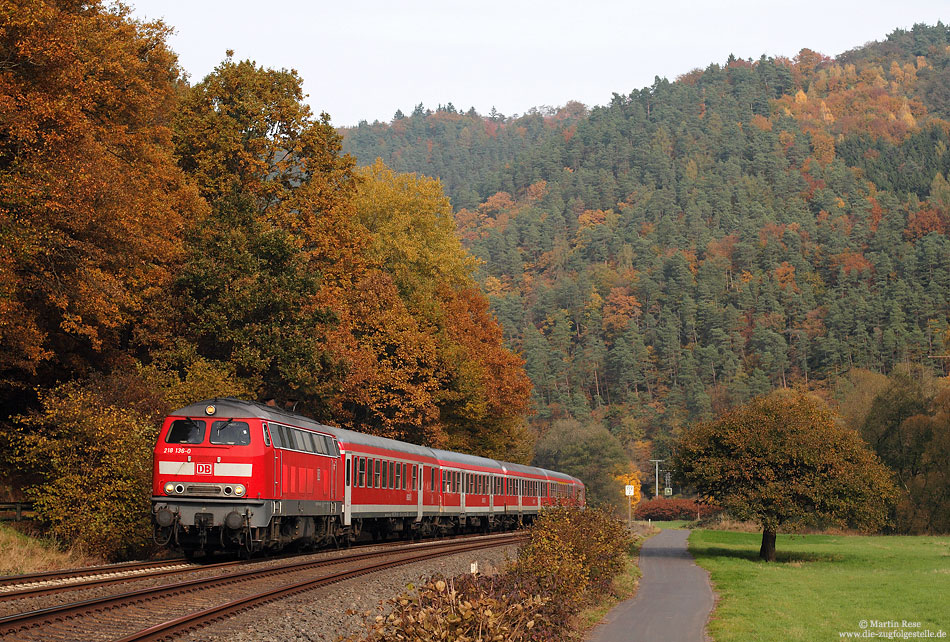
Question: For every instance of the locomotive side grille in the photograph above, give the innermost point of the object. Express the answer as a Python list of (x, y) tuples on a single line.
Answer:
[(203, 489)]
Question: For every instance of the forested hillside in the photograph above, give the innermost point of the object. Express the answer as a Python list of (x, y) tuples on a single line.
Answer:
[(691, 244)]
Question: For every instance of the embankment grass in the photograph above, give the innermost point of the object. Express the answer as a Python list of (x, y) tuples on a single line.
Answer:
[(824, 585), (24, 554)]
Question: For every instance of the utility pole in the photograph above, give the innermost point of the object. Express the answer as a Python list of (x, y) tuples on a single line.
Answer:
[(657, 476)]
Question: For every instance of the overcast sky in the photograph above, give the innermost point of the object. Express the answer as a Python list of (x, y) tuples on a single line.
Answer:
[(364, 60)]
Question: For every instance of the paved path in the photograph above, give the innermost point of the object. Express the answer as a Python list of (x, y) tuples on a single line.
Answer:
[(672, 603)]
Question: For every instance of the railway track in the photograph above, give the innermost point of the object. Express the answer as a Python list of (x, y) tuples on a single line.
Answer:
[(161, 612), (36, 584), (16, 587)]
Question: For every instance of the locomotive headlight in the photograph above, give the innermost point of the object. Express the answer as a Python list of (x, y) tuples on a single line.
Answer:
[(169, 489), (239, 490)]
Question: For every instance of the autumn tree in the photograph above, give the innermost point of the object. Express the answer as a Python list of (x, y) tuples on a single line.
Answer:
[(906, 423), (785, 459), (91, 201), (429, 348), (589, 452), (262, 282)]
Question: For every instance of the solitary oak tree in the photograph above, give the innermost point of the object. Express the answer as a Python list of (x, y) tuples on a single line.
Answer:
[(785, 459)]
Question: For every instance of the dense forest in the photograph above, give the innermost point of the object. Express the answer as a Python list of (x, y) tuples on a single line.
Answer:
[(692, 244)]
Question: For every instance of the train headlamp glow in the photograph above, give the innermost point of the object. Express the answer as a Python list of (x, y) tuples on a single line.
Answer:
[(169, 489), (210, 410), (239, 490)]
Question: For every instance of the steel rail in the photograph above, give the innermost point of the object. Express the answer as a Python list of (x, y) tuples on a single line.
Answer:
[(28, 578), (36, 591), (30, 619)]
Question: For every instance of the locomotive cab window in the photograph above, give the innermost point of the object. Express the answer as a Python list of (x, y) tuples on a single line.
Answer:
[(231, 433), (186, 431)]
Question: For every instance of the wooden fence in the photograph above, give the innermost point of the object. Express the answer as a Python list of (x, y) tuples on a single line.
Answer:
[(16, 511)]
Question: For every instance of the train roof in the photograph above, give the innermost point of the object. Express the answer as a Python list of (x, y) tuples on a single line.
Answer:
[(233, 407), (467, 460)]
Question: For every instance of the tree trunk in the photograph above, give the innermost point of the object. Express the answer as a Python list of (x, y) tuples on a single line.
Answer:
[(767, 552)]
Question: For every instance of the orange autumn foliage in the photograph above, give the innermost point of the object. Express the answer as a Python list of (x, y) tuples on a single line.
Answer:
[(87, 97)]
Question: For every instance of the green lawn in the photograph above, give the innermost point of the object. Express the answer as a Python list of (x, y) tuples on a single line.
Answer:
[(675, 523), (825, 584)]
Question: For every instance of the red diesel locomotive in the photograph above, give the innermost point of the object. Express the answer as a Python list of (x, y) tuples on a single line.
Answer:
[(237, 475)]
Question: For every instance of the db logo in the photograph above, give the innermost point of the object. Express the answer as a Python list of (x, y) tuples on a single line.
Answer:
[(203, 469)]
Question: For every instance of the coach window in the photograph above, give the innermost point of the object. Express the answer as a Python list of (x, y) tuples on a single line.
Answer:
[(349, 464), (385, 481), (361, 480), (319, 444), (399, 476), (392, 480), (432, 479), (376, 474), (231, 433), (186, 431)]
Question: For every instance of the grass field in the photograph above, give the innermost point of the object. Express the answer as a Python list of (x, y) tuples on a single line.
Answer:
[(824, 585)]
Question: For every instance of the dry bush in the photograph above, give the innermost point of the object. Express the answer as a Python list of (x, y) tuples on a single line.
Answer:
[(571, 556), (467, 608)]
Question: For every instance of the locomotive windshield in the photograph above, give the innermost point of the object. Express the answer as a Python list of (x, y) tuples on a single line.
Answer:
[(230, 432), (186, 431)]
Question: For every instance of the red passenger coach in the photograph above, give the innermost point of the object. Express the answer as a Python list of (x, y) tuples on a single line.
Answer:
[(237, 475)]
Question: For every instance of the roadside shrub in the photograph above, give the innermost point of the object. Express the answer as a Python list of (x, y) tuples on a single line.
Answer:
[(663, 509), (572, 552)]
